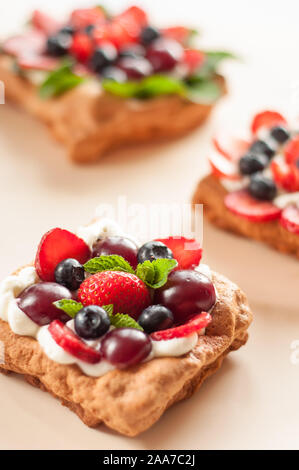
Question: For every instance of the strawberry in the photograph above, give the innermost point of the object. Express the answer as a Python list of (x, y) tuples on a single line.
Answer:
[(80, 18), (72, 344), (286, 176), (178, 33), (33, 41), (230, 147), (187, 252), (291, 151), (45, 23), (125, 291), (290, 219), (197, 323), (244, 205), (81, 47), (55, 246), (112, 32), (38, 62), (266, 119), (222, 167), (133, 17), (193, 58)]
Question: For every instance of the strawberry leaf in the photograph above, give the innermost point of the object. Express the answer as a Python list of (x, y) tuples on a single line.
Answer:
[(108, 263), (70, 307), (155, 274)]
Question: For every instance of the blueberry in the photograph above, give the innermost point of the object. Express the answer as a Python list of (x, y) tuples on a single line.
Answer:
[(89, 29), (155, 318), (148, 35), (262, 187), (91, 322), (251, 163), (280, 134), (69, 273), (58, 44), (68, 29), (153, 250), (260, 146), (103, 56), (114, 73)]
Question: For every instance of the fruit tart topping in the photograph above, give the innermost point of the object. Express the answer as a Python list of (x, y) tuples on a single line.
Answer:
[(290, 219), (69, 273), (230, 147), (280, 134), (155, 318), (266, 119), (186, 251), (148, 35), (72, 344), (59, 44), (83, 17), (222, 167), (116, 246), (37, 302), (135, 68), (81, 47), (103, 56), (252, 163), (285, 175), (262, 187), (186, 293), (164, 54), (262, 147), (291, 151), (92, 322), (54, 247), (125, 347), (197, 323), (153, 250), (243, 204)]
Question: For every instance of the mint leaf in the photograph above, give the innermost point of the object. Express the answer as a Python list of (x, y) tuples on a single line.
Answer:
[(59, 81), (149, 87), (204, 91), (215, 57), (208, 69), (155, 274), (121, 320), (108, 263), (70, 307)]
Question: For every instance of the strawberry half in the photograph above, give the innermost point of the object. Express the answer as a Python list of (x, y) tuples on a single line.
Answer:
[(230, 147), (286, 176), (244, 205), (33, 41), (222, 167), (55, 246), (80, 18), (45, 23), (290, 219), (178, 33), (72, 344), (125, 291), (266, 119), (197, 323), (291, 151), (81, 47), (187, 252), (193, 58)]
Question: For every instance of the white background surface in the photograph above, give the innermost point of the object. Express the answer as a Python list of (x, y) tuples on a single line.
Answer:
[(252, 402)]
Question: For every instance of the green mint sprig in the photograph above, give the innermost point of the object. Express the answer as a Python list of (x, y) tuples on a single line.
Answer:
[(119, 320), (59, 81), (108, 263)]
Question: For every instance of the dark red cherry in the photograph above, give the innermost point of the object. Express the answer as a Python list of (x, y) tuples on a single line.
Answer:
[(164, 54), (116, 246)]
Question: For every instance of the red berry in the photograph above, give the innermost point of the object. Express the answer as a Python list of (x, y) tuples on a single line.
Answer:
[(286, 176), (125, 347), (179, 33), (125, 291), (38, 62), (55, 246), (186, 251), (82, 47), (45, 23), (193, 58), (266, 119), (133, 19), (81, 18), (33, 41), (291, 151), (230, 147), (72, 344), (196, 324), (290, 219), (186, 294), (244, 205), (164, 54), (222, 167)]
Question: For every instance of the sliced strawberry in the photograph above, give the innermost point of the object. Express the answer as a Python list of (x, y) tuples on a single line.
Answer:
[(133, 17), (266, 119), (113, 32), (229, 146), (179, 33), (45, 23), (223, 168), (55, 246), (33, 41), (286, 176), (38, 62), (83, 17), (290, 219), (81, 47), (186, 251), (244, 205), (72, 344), (291, 151), (193, 58), (197, 323)]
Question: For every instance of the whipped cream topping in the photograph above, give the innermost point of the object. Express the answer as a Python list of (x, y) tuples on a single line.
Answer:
[(21, 324)]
